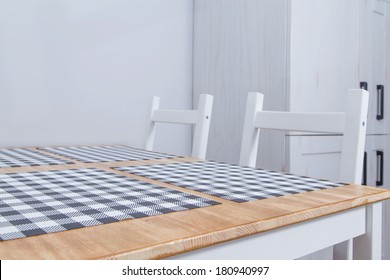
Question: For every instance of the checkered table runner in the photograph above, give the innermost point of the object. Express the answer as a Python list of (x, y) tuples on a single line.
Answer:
[(90, 154), (43, 202), (231, 182), (25, 157)]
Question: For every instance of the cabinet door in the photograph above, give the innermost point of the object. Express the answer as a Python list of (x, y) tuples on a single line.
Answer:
[(373, 24), (386, 204), (324, 54), (378, 174), (315, 156), (387, 69)]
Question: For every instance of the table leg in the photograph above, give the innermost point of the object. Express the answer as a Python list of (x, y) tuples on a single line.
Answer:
[(369, 245)]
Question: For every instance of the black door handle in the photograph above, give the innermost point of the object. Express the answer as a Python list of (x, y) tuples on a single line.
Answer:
[(379, 168), (380, 101)]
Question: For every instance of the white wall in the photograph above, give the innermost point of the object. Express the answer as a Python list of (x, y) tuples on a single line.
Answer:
[(83, 72)]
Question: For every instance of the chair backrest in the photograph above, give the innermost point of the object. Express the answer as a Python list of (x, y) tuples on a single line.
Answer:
[(199, 118), (351, 124)]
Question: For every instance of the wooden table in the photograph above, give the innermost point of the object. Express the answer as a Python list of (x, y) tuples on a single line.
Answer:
[(284, 227)]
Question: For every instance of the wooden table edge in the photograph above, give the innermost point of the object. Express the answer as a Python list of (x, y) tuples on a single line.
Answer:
[(245, 230)]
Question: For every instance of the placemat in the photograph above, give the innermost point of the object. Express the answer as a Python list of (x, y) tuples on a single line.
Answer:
[(24, 157), (36, 203), (227, 181), (90, 154)]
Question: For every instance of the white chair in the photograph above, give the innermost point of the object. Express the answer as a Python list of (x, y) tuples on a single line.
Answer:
[(351, 124), (199, 118)]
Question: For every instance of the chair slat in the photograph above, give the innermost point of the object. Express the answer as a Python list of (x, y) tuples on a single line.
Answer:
[(175, 116), (304, 122)]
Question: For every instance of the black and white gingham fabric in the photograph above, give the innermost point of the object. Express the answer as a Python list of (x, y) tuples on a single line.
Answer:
[(90, 154), (25, 157), (231, 182), (43, 202)]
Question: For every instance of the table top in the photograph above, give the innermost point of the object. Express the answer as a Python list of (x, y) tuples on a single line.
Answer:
[(173, 233)]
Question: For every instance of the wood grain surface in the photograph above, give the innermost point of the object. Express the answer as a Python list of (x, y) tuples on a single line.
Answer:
[(174, 233), (235, 53)]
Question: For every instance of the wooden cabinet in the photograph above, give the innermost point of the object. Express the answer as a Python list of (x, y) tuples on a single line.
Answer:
[(378, 164), (373, 53), (303, 56)]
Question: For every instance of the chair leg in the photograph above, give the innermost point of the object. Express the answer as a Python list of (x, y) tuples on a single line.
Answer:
[(343, 250)]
